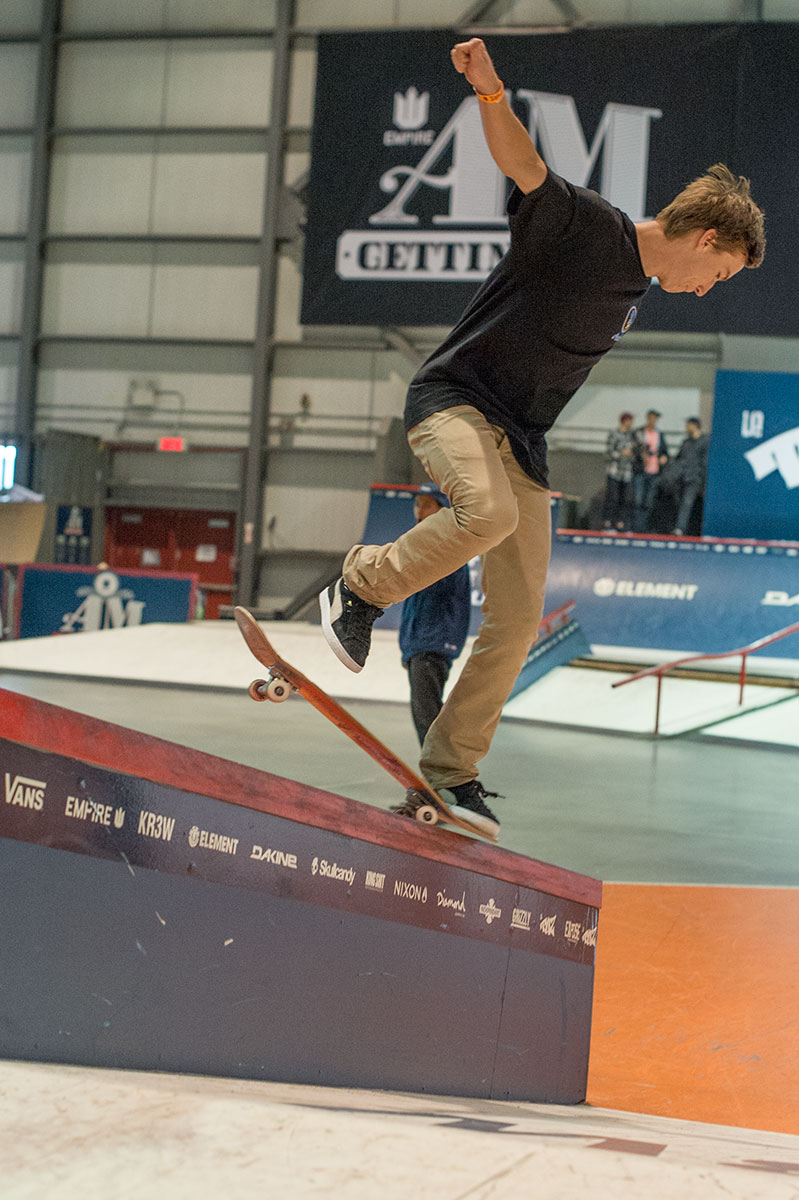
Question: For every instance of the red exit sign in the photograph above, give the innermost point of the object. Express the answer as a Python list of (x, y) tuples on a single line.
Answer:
[(171, 443)]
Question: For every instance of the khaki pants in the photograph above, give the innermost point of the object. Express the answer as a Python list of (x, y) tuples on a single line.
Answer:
[(497, 512)]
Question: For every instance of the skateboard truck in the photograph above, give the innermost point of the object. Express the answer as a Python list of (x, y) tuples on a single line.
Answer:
[(417, 806), (275, 688)]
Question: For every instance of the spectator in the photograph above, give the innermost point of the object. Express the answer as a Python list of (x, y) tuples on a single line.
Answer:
[(433, 626), (621, 453), (648, 466), (691, 470)]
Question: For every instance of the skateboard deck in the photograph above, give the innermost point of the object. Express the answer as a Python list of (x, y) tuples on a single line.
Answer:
[(285, 679)]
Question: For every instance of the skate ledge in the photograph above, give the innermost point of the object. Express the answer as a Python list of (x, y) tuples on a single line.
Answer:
[(49, 727)]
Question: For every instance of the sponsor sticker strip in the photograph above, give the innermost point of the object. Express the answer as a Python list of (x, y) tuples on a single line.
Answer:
[(70, 806), (705, 546)]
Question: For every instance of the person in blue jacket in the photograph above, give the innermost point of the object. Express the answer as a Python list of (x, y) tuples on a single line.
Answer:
[(433, 627)]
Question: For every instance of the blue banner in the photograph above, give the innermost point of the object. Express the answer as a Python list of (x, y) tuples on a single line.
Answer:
[(753, 469), (63, 599), (644, 592), (659, 593)]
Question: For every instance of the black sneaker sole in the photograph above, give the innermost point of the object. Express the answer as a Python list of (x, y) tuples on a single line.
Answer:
[(489, 827), (330, 635)]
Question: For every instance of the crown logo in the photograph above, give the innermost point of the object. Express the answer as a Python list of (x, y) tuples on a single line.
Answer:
[(410, 110)]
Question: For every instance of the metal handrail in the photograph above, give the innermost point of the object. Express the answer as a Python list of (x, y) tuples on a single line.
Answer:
[(559, 616), (744, 652)]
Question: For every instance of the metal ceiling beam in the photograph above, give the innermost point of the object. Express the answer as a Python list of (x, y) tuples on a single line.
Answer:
[(40, 159), (483, 12), (398, 341), (252, 499), (479, 12), (570, 12)]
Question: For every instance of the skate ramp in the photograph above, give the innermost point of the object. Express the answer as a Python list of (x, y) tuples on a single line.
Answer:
[(175, 911)]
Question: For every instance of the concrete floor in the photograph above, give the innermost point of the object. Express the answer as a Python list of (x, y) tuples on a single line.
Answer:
[(617, 807), (67, 1133)]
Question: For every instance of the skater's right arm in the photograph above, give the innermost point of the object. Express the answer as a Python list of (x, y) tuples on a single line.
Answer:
[(509, 142)]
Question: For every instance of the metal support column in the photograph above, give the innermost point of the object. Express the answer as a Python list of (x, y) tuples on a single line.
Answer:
[(25, 413), (251, 508)]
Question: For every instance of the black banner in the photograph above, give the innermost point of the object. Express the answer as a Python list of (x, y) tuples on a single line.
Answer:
[(406, 206)]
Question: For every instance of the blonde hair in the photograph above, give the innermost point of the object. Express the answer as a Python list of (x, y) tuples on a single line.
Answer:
[(719, 200)]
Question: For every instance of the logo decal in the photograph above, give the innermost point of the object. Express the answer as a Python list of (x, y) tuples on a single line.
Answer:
[(27, 793), (644, 589), (105, 606), (490, 911), (411, 110), (780, 453), (86, 809), (278, 858), (780, 599), (522, 919), (752, 423), (456, 905), (333, 871), (410, 891), (156, 825), (626, 323), (212, 841)]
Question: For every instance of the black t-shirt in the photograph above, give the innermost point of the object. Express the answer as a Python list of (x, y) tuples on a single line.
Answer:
[(565, 291)]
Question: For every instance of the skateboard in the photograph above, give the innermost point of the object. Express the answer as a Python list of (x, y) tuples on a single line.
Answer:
[(421, 802)]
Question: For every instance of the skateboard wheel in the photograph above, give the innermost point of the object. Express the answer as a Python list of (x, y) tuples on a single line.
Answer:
[(257, 689), (427, 814), (277, 690)]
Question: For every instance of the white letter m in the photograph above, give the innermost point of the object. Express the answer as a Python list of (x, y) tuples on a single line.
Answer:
[(624, 130)]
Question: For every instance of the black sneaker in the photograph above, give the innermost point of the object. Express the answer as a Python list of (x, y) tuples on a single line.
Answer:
[(347, 624), (470, 803)]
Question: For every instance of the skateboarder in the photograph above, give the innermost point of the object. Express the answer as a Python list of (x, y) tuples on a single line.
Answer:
[(479, 408)]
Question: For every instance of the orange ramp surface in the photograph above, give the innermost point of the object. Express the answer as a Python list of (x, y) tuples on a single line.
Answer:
[(696, 1004)]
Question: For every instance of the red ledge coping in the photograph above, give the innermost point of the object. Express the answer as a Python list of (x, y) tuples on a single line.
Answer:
[(49, 727)]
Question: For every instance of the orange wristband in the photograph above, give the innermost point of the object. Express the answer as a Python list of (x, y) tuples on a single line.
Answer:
[(494, 97)]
